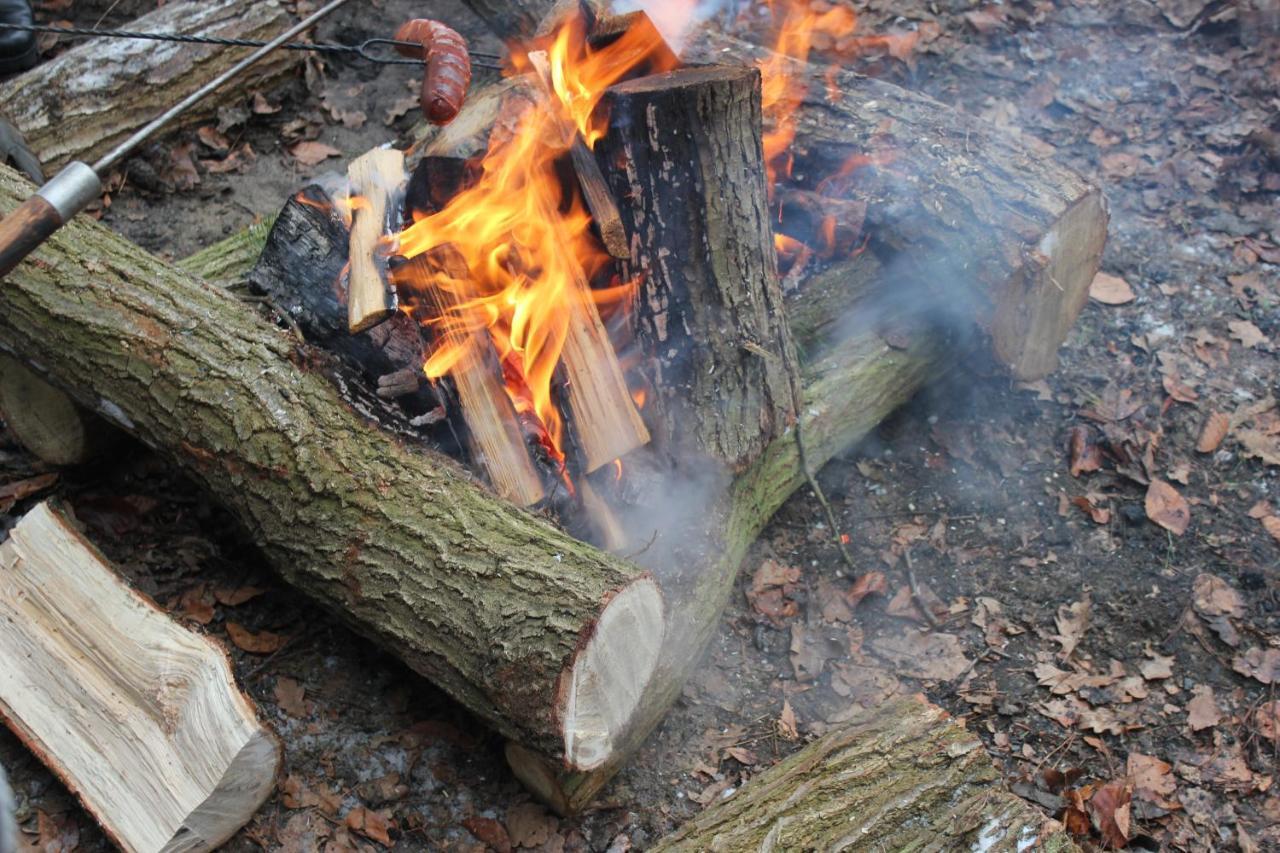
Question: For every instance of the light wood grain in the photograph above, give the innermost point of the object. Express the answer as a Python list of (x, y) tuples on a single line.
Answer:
[(377, 186), (139, 716)]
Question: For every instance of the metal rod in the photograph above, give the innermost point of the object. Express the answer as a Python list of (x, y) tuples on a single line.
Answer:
[(117, 153)]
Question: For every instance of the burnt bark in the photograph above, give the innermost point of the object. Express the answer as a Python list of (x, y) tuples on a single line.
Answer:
[(684, 151)]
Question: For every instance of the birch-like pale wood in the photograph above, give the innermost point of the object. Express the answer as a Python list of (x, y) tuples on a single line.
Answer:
[(140, 717), (45, 420), (377, 180), (83, 103)]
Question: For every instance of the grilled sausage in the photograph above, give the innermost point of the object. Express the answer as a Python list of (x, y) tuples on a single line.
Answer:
[(444, 86)]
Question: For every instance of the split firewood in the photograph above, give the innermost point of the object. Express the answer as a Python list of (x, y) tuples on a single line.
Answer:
[(377, 180), (490, 418), (712, 325), (64, 119), (550, 640), (140, 717), (1004, 236), (903, 775), (45, 420)]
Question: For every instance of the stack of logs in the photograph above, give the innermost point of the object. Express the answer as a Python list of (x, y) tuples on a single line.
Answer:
[(573, 653)]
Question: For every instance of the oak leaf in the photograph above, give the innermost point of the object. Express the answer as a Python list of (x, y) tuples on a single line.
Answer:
[(1167, 507)]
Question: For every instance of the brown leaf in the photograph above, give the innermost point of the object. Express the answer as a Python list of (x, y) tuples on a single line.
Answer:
[(215, 141), (1179, 390), (235, 596), (263, 107), (1263, 665), (932, 656), (1086, 456), (310, 153), (741, 755), (1110, 289), (1247, 333), (489, 831), (182, 169), (1072, 621), (1109, 809), (371, 824), (872, 583), (1215, 429), (1267, 720), (22, 489), (529, 825), (399, 108), (1167, 508), (1271, 524), (1203, 711), (291, 697), (770, 591), (807, 660), (196, 604), (1156, 667), (787, 723), (1100, 515), (1152, 779), (1212, 596), (261, 643), (1260, 444), (834, 606)]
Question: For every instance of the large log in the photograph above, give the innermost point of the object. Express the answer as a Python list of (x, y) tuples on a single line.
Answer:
[(852, 380), (549, 640), (84, 102), (139, 716), (1005, 235), (684, 152), (902, 776)]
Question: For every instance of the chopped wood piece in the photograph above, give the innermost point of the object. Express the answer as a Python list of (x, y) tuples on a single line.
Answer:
[(140, 717), (502, 610), (684, 150), (377, 181), (497, 444), (81, 104), (903, 775), (45, 420)]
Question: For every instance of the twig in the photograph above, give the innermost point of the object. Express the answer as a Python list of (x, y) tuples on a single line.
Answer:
[(916, 595)]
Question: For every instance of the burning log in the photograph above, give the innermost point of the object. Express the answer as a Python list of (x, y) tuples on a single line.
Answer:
[(549, 640), (903, 775), (497, 443), (684, 150), (140, 717), (1010, 238), (377, 180), (64, 119)]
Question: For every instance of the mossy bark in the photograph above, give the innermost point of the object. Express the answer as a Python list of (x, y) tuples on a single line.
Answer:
[(229, 261), (490, 602), (89, 99), (903, 776)]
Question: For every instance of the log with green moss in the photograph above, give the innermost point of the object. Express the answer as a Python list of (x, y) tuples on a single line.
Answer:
[(902, 776), (549, 640)]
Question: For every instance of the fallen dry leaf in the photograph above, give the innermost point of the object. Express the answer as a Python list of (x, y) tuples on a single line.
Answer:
[(371, 824), (787, 723), (1265, 446), (1100, 515), (1267, 720), (1247, 334), (1109, 808), (1072, 621), (771, 589), (1215, 429), (260, 643), (872, 583), (490, 832), (1203, 711), (1152, 778), (1109, 289), (1086, 456), (1156, 667), (1263, 665), (311, 153), (529, 825), (1167, 508), (196, 604), (932, 656), (1271, 524), (21, 489), (237, 595), (1217, 602), (291, 697)]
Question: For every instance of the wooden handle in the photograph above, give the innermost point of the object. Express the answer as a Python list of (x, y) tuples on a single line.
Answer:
[(25, 229)]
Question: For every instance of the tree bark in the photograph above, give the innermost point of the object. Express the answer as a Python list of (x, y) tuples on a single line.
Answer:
[(86, 101), (903, 776), (684, 152), (1005, 235), (140, 717), (852, 380), (516, 620)]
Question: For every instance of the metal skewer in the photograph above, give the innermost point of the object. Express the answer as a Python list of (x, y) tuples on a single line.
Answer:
[(72, 189)]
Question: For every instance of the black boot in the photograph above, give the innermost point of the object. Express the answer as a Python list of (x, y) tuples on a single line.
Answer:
[(17, 47)]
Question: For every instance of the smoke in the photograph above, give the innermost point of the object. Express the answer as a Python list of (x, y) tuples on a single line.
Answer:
[(677, 19)]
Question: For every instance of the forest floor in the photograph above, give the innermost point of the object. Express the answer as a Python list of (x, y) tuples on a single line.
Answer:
[(1101, 550)]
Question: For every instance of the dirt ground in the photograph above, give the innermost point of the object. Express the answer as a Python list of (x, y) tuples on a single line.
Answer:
[(1101, 549)]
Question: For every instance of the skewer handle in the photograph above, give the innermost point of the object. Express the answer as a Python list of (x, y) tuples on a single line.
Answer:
[(23, 230)]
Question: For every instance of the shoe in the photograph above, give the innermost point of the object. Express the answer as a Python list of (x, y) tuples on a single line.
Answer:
[(18, 50)]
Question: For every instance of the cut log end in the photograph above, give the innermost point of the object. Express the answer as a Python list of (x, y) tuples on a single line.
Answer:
[(608, 677), (1035, 317), (44, 419)]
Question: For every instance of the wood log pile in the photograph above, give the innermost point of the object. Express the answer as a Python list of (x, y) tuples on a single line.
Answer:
[(328, 443)]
